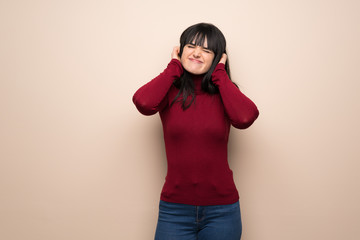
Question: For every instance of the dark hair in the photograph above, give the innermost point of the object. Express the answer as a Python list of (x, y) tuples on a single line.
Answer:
[(216, 42)]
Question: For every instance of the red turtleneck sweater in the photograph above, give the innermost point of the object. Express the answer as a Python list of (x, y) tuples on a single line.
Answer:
[(196, 138)]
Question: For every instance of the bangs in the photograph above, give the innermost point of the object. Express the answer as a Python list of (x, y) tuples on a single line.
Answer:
[(198, 38)]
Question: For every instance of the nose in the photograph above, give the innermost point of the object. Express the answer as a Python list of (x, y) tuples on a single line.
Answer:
[(197, 51)]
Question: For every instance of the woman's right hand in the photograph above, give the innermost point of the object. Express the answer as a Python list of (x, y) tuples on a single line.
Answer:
[(175, 53)]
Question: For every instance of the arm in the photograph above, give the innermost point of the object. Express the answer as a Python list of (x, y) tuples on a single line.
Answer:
[(241, 111), (150, 98)]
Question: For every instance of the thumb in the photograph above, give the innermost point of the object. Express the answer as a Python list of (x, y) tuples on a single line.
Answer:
[(223, 58), (175, 53)]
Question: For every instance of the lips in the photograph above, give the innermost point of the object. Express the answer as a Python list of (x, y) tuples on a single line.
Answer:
[(195, 60)]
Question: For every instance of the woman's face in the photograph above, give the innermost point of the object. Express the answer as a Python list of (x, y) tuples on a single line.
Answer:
[(197, 59)]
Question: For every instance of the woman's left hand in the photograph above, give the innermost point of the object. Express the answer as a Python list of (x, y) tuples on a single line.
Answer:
[(223, 58)]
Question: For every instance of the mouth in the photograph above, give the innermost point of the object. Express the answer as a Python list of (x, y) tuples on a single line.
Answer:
[(195, 60)]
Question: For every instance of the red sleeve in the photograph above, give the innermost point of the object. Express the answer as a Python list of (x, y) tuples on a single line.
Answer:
[(150, 98), (241, 111)]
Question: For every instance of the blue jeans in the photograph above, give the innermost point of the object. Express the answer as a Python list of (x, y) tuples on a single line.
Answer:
[(187, 222)]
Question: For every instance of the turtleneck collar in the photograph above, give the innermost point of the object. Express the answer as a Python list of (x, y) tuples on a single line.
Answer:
[(197, 79)]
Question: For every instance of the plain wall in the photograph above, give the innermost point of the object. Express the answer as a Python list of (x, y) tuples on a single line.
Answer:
[(77, 161)]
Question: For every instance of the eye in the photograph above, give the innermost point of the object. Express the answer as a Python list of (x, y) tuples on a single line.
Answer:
[(190, 46)]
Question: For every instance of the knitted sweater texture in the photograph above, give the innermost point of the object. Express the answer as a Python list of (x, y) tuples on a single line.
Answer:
[(196, 138)]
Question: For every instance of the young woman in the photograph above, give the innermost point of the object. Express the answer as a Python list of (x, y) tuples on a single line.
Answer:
[(197, 103)]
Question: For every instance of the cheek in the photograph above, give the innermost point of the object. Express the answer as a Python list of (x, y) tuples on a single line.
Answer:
[(185, 52), (183, 57), (182, 60), (209, 61)]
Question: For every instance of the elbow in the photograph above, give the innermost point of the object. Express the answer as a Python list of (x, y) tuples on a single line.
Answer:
[(244, 122), (144, 107)]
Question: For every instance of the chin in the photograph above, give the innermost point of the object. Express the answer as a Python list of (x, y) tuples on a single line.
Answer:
[(194, 71)]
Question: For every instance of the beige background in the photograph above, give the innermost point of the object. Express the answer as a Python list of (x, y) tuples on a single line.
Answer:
[(77, 161)]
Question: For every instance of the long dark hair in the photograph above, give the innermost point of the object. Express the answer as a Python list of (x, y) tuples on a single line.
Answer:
[(196, 34)]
